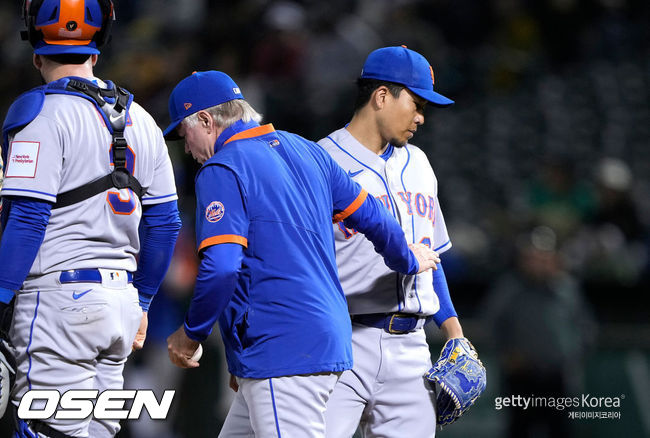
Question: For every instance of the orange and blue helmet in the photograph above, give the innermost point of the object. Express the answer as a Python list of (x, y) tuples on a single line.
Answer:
[(67, 26)]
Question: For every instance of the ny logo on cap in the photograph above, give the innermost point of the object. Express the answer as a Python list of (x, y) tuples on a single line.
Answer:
[(433, 79)]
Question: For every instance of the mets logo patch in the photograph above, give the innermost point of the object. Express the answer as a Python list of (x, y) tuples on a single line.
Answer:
[(214, 212)]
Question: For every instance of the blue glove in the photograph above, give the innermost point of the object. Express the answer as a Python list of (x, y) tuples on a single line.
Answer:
[(458, 378)]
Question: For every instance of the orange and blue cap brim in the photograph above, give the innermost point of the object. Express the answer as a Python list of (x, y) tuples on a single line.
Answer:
[(89, 48)]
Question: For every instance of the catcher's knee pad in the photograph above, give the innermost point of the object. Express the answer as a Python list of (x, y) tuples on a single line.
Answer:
[(7, 375)]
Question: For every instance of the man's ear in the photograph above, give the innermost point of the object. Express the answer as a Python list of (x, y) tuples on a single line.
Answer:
[(37, 61), (379, 97), (205, 120)]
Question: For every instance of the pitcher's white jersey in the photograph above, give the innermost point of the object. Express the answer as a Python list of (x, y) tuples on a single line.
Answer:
[(407, 186), (68, 145)]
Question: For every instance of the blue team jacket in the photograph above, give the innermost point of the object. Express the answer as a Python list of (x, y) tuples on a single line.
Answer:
[(288, 314)]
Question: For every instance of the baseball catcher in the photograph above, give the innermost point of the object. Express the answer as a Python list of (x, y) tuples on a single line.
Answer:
[(87, 233), (458, 378)]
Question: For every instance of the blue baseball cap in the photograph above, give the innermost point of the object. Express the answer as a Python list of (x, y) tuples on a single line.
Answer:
[(200, 90), (405, 67)]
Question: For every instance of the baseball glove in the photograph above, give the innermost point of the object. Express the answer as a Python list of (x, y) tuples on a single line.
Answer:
[(458, 378)]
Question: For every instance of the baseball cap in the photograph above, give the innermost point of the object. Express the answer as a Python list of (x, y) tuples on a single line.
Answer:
[(198, 91), (406, 67)]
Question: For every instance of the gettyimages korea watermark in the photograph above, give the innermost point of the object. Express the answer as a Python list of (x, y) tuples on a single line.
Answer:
[(584, 406), (78, 404)]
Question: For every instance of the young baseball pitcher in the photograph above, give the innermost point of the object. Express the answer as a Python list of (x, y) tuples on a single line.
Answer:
[(386, 391)]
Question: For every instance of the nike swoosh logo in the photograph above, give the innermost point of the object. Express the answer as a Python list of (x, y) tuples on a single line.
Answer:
[(114, 119), (76, 296), (353, 174)]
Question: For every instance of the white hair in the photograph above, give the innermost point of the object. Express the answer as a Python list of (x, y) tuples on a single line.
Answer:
[(227, 113)]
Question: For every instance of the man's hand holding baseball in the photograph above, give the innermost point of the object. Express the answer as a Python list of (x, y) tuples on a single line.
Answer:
[(181, 349)]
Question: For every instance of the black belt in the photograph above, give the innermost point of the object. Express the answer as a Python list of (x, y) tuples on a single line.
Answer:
[(87, 276), (40, 427), (395, 323)]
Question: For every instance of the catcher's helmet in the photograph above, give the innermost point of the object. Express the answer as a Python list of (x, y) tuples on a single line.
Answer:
[(67, 26)]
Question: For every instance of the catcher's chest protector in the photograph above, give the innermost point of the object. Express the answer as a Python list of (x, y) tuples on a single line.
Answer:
[(112, 103)]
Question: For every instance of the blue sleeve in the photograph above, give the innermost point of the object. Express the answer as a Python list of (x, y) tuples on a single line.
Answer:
[(441, 289), (158, 230), (364, 213), (215, 285), (221, 213), (375, 222), (21, 240)]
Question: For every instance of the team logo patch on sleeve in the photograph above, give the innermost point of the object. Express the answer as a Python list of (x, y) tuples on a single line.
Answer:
[(22, 160), (214, 212)]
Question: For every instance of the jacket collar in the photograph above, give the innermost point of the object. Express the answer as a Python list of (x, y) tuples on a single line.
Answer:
[(240, 130)]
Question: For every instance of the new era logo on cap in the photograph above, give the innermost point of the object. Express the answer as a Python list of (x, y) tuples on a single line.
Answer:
[(187, 105), (236, 90)]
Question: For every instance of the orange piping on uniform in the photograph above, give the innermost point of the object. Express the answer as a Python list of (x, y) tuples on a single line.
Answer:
[(352, 207), (253, 132), (224, 238)]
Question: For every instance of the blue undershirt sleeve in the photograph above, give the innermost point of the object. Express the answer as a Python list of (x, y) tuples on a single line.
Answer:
[(375, 222), (441, 289), (158, 230), (215, 285), (21, 239)]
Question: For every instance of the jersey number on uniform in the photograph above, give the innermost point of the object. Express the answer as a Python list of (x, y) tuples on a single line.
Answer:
[(116, 199)]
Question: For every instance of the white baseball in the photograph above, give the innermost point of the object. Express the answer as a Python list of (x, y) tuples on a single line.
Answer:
[(197, 354)]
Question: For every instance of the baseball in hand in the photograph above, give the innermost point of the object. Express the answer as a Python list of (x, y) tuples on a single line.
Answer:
[(197, 354)]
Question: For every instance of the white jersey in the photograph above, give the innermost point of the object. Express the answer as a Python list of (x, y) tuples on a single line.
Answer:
[(408, 188), (68, 145)]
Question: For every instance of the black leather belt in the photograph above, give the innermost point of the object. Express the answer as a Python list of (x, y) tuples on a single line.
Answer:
[(394, 323)]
